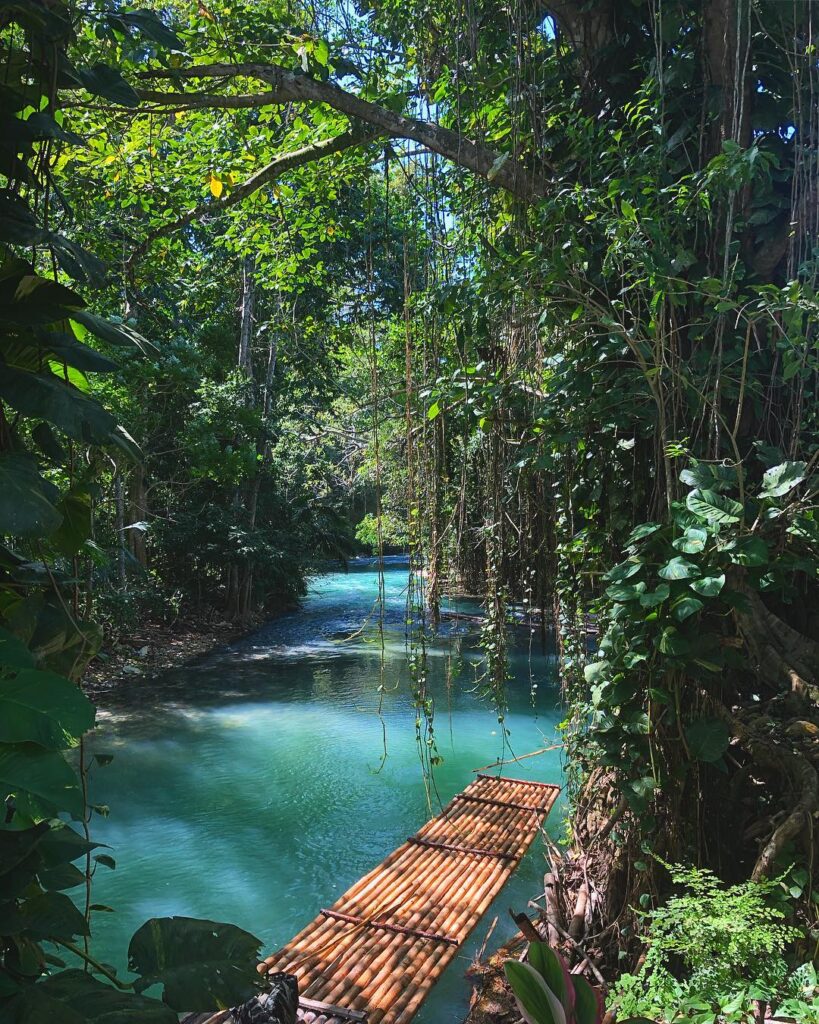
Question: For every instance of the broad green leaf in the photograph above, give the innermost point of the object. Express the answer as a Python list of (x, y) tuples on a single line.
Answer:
[(75, 508), (44, 915), (553, 970), (749, 551), (16, 845), (642, 531), (707, 739), (624, 591), (673, 642), (685, 607), (783, 478), (692, 541), (13, 652), (25, 508), (43, 708), (114, 333), (74, 997), (589, 1005), (623, 571), (45, 774), (678, 569), (201, 964), (710, 476), (713, 507), (651, 600), (537, 1004), (708, 586), (433, 411), (103, 80), (150, 25)]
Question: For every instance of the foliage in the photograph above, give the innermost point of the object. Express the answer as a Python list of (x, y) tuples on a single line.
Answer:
[(671, 604), (546, 993), (713, 953), (54, 434)]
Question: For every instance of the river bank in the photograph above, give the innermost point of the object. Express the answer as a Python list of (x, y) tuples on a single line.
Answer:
[(156, 647)]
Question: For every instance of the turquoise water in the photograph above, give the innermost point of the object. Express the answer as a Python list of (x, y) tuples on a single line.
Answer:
[(253, 787)]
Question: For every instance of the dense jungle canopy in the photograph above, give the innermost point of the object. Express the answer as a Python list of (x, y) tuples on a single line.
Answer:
[(525, 289)]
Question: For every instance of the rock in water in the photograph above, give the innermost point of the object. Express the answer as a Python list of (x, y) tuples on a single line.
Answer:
[(278, 1006)]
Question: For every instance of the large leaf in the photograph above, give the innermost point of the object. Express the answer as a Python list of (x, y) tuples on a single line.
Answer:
[(710, 476), (43, 708), (537, 1004), (708, 586), (45, 774), (713, 507), (75, 528), (707, 739), (201, 964), (103, 80), (589, 1005), (17, 844), (749, 551), (13, 652), (25, 508), (782, 478), (45, 396), (114, 333), (552, 968), (75, 995), (678, 569), (149, 25), (43, 916)]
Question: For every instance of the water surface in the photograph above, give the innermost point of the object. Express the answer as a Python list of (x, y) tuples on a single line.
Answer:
[(259, 785)]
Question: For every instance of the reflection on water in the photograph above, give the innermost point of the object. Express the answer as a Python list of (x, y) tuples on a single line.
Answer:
[(252, 787)]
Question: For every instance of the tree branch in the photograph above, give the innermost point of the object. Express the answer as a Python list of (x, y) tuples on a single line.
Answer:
[(500, 170), (277, 166)]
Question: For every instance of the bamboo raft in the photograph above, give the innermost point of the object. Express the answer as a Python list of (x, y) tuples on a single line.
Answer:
[(375, 954)]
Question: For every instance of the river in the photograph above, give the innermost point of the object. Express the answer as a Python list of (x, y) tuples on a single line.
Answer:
[(253, 787)]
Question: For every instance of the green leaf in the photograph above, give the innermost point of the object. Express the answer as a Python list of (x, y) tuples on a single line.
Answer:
[(628, 210), (149, 25), (686, 607), (708, 586), (45, 396), (551, 967), (102, 80), (16, 845), (624, 591), (44, 774), (25, 508), (433, 411), (713, 507), (201, 964), (707, 739), (642, 531), (13, 652), (692, 541), (113, 333), (74, 997), (589, 1006), (673, 642), (75, 529), (783, 478), (43, 708), (678, 569), (537, 1004), (750, 551), (651, 600), (710, 476), (43, 916)]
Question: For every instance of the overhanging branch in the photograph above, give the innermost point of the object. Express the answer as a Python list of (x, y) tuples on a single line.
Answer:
[(499, 169)]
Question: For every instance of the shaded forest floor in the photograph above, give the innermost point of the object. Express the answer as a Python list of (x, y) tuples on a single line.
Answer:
[(155, 647)]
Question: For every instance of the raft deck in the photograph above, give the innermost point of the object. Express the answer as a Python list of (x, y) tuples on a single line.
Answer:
[(376, 953)]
